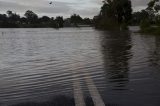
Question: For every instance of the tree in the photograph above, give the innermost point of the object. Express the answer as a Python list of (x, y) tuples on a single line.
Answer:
[(59, 21), (120, 10), (152, 11), (23, 20), (114, 13), (3, 17), (3, 20), (44, 19), (13, 16), (13, 19), (153, 18), (87, 21), (75, 19), (137, 17), (153, 6), (31, 16)]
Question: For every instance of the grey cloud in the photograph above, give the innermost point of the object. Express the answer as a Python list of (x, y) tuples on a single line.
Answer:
[(137, 3), (89, 12), (86, 8), (59, 7), (40, 7), (98, 2)]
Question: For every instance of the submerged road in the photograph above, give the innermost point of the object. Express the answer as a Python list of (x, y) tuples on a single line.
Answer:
[(78, 93)]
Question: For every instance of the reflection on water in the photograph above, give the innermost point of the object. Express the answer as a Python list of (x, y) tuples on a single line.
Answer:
[(39, 65), (155, 53), (116, 47)]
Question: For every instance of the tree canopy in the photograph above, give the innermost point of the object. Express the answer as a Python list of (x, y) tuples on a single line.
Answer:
[(119, 11), (31, 16), (153, 6), (150, 14), (75, 19)]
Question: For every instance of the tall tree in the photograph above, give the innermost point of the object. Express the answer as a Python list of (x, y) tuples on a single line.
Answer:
[(13, 19), (59, 21), (153, 6), (121, 10), (31, 16), (114, 14), (75, 19), (152, 10)]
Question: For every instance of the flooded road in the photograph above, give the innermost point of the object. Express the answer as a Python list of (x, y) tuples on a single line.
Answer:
[(112, 68)]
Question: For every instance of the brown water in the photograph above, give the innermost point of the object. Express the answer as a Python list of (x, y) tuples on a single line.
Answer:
[(39, 64)]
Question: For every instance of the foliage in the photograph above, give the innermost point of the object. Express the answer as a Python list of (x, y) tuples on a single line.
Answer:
[(119, 11), (124, 26), (87, 21), (153, 6), (31, 19), (44, 19), (145, 24), (137, 17), (149, 18), (59, 21), (76, 19), (109, 24)]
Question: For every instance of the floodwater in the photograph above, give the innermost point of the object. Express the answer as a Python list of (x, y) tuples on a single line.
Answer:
[(37, 65)]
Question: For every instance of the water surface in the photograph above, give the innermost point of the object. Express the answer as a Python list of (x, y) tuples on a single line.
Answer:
[(37, 65)]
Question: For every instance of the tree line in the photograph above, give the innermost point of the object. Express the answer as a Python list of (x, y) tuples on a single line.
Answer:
[(32, 20), (118, 14)]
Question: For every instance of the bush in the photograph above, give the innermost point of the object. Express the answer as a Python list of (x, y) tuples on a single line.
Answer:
[(124, 26), (145, 24)]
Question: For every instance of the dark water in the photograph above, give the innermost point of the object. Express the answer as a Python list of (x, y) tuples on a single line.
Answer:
[(37, 65)]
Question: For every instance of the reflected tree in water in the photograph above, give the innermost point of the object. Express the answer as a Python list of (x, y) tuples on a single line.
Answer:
[(155, 54), (116, 47)]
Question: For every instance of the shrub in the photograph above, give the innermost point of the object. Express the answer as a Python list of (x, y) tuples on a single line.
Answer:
[(145, 24), (124, 26)]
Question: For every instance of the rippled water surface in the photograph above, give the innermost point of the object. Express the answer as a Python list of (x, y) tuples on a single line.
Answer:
[(39, 64)]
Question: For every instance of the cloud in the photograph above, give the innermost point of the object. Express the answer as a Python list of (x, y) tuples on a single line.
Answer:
[(139, 4), (86, 8), (38, 6), (60, 7)]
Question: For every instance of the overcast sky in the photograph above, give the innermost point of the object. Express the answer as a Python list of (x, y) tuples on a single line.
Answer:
[(86, 8)]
